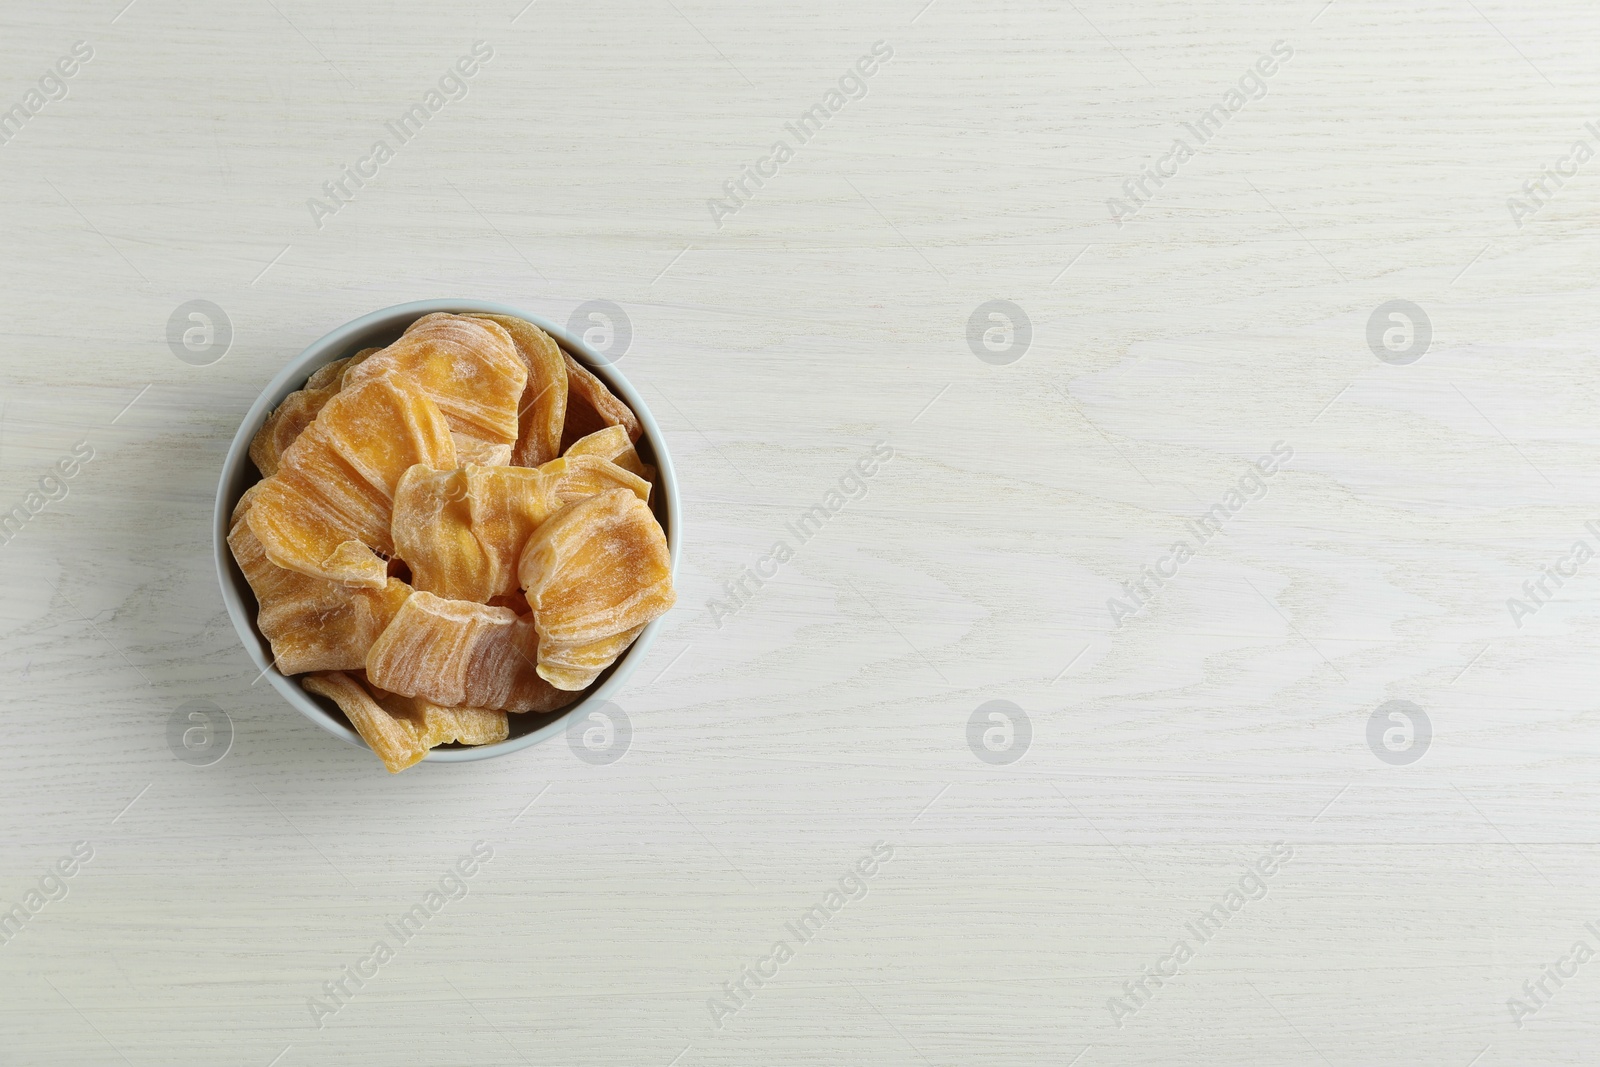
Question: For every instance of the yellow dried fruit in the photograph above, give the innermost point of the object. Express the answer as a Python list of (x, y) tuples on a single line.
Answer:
[(328, 375), (433, 533), (401, 730), (243, 505), (394, 740), (328, 506), (576, 477), (612, 443), (461, 532), (313, 624), (469, 367), (542, 410), (436, 725), (460, 654), (591, 407), (286, 423), (574, 666), (297, 410), (592, 572)]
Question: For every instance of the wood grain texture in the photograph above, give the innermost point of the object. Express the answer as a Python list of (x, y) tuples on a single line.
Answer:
[(772, 747)]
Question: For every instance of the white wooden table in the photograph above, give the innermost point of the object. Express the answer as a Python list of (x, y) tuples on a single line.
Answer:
[(1164, 752)]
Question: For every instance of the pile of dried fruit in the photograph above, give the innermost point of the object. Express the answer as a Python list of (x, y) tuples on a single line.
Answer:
[(450, 529)]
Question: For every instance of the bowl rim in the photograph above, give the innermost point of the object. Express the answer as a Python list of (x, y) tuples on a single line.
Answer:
[(342, 341)]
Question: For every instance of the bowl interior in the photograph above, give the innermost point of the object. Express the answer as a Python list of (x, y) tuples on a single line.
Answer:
[(377, 330)]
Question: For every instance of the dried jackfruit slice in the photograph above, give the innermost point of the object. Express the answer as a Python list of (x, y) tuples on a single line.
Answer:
[(400, 729), (471, 726), (394, 740), (591, 406), (461, 532), (542, 411), (327, 376), (467, 366), (465, 726), (434, 533), (313, 624), (286, 423), (297, 411), (437, 725), (612, 443), (573, 667), (476, 450), (460, 654), (331, 375), (328, 506), (239, 509), (596, 569), (576, 477)]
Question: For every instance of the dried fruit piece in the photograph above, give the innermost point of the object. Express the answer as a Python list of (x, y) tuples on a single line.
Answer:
[(542, 410), (612, 443), (462, 531), (470, 368), (286, 423), (328, 506), (433, 533), (576, 477), (313, 624), (331, 375), (461, 654), (297, 411), (476, 450), (437, 725), (245, 500), (472, 726), (595, 570), (466, 726), (326, 377), (400, 729), (597, 567), (591, 407), (394, 740), (573, 667)]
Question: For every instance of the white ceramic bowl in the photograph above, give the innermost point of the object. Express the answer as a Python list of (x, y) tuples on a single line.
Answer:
[(238, 474)]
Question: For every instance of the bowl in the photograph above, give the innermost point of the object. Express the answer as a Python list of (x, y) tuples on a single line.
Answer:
[(238, 474)]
